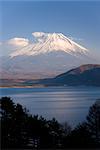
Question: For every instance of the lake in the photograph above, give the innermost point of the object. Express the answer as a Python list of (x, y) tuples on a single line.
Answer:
[(64, 103)]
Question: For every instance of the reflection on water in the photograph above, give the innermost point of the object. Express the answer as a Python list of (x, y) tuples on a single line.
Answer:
[(64, 103)]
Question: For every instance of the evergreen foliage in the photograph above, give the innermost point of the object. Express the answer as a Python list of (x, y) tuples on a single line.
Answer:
[(21, 130)]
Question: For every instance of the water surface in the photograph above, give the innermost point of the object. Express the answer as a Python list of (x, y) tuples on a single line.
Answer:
[(64, 103)]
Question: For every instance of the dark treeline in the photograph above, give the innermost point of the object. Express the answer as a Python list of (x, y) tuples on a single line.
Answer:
[(21, 130)]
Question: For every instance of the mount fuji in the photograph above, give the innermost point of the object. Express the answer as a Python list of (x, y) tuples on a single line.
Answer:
[(51, 42), (49, 55)]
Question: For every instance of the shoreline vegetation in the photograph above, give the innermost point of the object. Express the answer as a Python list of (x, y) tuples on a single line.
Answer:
[(22, 130)]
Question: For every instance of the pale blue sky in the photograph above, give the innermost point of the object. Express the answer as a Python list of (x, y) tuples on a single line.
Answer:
[(80, 20)]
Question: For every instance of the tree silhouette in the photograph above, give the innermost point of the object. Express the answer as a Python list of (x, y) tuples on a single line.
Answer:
[(12, 123), (22, 130), (86, 134), (56, 132), (7, 113), (93, 121), (7, 107), (79, 138)]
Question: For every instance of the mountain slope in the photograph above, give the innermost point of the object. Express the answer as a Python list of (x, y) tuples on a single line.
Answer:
[(88, 74), (49, 55), (85, 75), (51, 42)]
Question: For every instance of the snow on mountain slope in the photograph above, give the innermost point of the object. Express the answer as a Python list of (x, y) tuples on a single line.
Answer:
[(50, 42), (50, 54)]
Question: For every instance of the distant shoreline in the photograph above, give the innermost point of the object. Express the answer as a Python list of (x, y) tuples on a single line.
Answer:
[(33, 86), (44, 86)]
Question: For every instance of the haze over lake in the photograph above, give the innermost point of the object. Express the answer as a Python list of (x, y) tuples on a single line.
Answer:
[(64, 103)]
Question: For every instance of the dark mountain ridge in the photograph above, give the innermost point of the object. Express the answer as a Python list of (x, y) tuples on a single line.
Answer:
[(88, 74), (84, 75)]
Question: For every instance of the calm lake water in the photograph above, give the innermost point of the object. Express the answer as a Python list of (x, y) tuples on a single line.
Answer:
[(64, 103)]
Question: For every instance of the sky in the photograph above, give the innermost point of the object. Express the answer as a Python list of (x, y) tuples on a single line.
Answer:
[(79, 20)]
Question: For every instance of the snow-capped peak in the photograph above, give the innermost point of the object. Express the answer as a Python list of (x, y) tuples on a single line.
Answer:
[(49, 42)]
